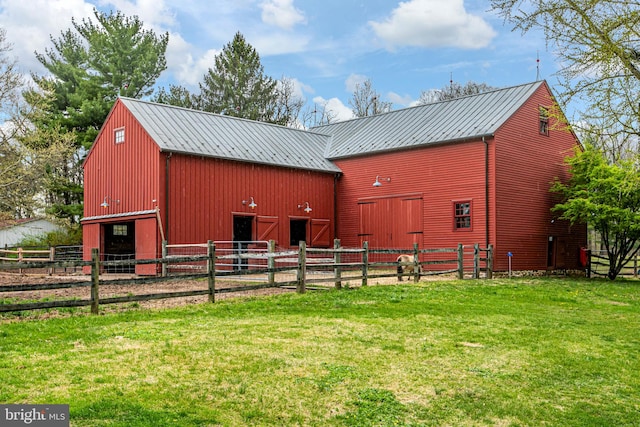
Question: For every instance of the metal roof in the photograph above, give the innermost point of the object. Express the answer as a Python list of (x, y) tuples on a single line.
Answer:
[(463, 118), (194, 132)]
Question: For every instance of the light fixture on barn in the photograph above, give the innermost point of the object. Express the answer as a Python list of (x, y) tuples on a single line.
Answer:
[(252, 203), (105, 202), (307, 208), (377, 182)]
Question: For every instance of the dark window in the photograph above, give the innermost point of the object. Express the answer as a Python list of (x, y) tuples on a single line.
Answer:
[(462, 215), (544, 121)]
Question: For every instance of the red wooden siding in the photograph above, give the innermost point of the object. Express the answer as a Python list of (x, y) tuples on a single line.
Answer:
[(526, 163), (128, 172), (417, 201), (205, 193)]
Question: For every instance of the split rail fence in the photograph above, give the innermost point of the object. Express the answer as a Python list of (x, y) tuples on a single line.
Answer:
[(301, 269)]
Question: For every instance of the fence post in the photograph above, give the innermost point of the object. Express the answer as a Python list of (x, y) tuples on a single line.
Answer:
[(302, 267), (211, 270), (490, 261), (164, 258), (271, 261), (52, 258), (588, 263), (20, 259), (476, 261), (337, 259), (95, 280), (365, 263), (460, 261), (416, 264), (635, 267)]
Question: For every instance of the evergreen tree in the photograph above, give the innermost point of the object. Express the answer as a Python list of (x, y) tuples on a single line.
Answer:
[(91, 64), (237, 85)]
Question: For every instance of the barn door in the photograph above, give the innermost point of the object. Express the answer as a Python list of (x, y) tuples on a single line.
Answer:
[(267, 228), (392, 222), (320, 233), (146, 244)]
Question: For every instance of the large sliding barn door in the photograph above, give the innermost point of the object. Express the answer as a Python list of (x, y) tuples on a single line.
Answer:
[(391, 222)]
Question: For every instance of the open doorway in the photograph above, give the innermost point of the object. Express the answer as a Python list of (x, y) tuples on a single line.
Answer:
[(119, 244), (297, 231), (242, 236)]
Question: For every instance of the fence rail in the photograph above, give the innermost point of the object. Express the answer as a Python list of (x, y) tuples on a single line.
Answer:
[(306, 266), (598, 265)]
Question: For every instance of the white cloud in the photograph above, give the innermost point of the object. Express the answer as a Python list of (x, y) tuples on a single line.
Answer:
[(30, 24), (404, 101), (189, 71), (281, 13), (434, 23), (353, 80), (153, 13), (299, 88), (336, 108)]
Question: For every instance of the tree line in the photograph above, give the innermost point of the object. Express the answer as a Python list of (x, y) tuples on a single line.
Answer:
[(49, 127)]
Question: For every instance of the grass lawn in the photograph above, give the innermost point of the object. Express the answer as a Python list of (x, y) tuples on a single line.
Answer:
[(519, 352)]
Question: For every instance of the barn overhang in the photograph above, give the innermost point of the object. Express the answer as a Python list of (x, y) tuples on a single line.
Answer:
[(118, 216)]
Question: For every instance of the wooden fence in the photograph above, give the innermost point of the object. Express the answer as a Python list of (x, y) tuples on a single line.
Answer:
[(598, 265), (301, 267)]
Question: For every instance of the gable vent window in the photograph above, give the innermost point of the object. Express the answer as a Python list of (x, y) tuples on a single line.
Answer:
[(544, 121), (119, 135)]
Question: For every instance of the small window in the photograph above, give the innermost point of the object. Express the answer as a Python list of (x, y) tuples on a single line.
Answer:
[(120, 230), (119, 135), (462, 215), (544, 121)]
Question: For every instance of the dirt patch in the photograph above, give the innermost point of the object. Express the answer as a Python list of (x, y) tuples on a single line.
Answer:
[(83, 290)]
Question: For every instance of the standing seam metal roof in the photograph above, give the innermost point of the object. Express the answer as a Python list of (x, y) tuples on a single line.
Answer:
[(462, 118), (195, 132)]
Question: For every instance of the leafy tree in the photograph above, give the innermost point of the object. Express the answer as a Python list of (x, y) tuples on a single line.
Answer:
[(237, 85), (90, 65), (18, 180), (365, 101), (607, 196), (596, 42), (452, 91)]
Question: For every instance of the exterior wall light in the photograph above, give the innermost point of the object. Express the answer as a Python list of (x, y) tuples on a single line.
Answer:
[(307, 208), (377, 182), (252, 203), (105, 204)]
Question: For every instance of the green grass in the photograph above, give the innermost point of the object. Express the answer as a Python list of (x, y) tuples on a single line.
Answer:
[(521, 352)]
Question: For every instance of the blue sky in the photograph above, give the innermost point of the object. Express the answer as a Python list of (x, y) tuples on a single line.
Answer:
[(325, 47)]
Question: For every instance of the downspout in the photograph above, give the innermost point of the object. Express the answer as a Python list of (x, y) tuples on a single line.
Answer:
[(335, 205), (166, 197), (486, 190)]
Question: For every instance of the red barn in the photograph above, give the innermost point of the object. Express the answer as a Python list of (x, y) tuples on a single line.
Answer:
[(470, 170)]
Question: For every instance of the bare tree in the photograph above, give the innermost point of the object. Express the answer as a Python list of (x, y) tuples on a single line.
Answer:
[(598, 44), (318, 115), (452, 91), (287, 106), (365, 101)]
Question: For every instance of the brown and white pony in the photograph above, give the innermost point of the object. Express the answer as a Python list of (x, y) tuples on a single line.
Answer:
[(405, 265)]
